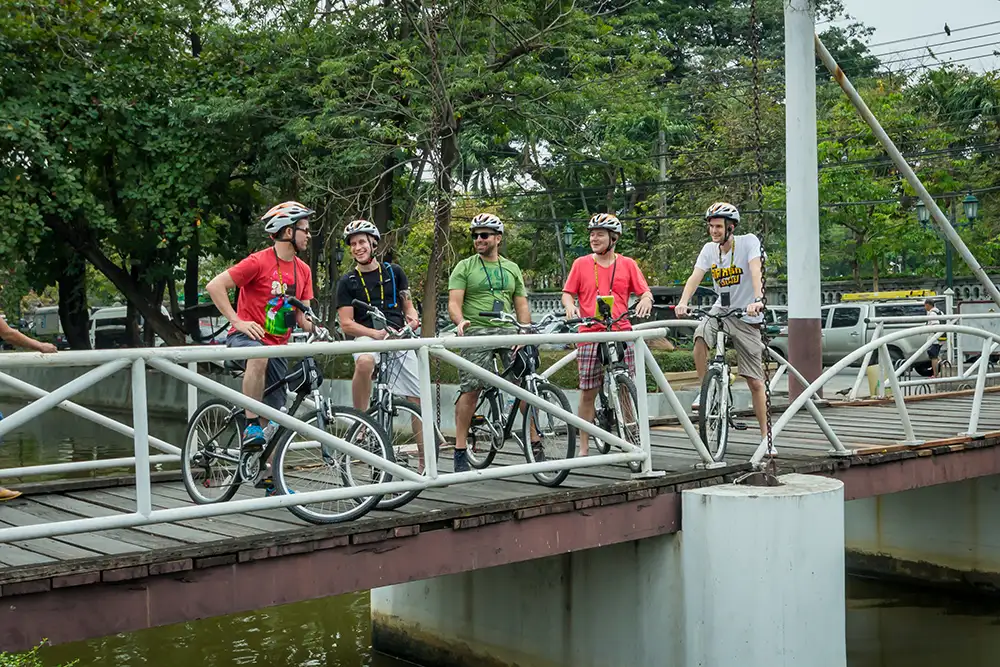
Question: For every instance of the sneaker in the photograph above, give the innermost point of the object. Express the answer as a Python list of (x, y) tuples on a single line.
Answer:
[(8, 494), (538, 451), (461, 460), (270, 490), (253, 437), (264, 483), (696, 403)]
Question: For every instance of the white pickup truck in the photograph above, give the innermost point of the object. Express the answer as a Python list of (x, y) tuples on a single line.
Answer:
[(845, 329)]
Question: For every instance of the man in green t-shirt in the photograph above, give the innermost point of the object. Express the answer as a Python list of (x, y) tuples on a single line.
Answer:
[(482, 283)]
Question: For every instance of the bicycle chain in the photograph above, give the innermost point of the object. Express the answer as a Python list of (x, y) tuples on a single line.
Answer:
[(758, 193)]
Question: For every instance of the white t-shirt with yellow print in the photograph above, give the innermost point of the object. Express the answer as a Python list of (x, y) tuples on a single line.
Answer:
[(730, 271)]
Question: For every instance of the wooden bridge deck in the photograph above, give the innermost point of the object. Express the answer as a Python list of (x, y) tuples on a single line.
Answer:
[(605, 503)]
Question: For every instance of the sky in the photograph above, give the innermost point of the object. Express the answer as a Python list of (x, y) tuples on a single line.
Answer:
[(905, 19)]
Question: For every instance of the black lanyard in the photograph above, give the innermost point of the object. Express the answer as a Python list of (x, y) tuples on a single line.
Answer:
[(490, 282), (732, 257), (295, 273), (614, 269)]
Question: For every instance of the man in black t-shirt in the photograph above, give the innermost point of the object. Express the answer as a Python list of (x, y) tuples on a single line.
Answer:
[(385, 287)]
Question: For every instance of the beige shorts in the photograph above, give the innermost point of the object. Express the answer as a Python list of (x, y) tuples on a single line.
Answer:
[(403, 370), (745, 338)]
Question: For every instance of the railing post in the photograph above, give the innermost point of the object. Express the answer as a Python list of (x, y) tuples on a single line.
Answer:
[(642, 408), (864, 364), (192, 392), (897, 394), (427, 413), (977, 401), (140, 423)]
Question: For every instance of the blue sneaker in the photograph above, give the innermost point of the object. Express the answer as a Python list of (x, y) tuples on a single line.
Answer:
[(271, 491), (253, 437)]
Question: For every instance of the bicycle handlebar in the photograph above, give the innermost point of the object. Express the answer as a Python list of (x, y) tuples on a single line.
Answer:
[(406, 332), (511, 319), (629, 312)]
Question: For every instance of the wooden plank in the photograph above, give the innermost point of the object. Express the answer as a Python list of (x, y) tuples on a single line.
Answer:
[(52, 548), (95, 542), (12, 556), (178, 492), (214, 527), (88, 509)]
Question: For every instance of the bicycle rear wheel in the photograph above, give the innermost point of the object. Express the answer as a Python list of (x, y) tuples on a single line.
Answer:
[(557, 438), (211, 452), (405, 430), (627, 415), (302, 464), (713, 417)]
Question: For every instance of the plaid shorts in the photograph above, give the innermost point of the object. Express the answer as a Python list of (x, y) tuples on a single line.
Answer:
[(590, 368)]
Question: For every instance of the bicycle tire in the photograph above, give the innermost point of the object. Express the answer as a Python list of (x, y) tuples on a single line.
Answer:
[(713, 378), (480, 459), (603, 418), (379, 446), (392, 501), (630, 434), (193, 486), (555, 477)]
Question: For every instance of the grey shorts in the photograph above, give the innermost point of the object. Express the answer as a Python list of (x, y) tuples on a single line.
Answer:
[(744, 337), (277, 369), (482, 357)]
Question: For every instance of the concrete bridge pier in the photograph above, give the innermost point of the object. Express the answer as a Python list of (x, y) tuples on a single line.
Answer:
[(756, 579)]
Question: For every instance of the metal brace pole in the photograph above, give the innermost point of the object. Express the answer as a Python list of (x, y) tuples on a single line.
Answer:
[(643, 412), (427, 413), (140, 421), (897, 394), (977, 401), (904, 168)]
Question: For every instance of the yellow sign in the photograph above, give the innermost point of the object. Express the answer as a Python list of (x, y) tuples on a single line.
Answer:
[(897, 294)]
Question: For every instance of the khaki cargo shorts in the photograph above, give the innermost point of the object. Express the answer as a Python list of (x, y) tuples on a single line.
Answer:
[(482, 357), (744, 337)]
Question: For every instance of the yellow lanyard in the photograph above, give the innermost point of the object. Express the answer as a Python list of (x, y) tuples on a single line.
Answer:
[(614, 269), (381, 288), (295, 273)]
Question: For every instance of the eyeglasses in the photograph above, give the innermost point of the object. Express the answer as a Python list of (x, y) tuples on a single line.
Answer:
[(482, 235), (305, 231)]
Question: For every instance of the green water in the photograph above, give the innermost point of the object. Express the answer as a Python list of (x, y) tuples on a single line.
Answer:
[(887, 625)]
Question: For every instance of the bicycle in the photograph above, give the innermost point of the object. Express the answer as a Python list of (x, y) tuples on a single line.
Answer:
[(716, 412), (616, 409), (214, 464), (492, 428), (401, 420)]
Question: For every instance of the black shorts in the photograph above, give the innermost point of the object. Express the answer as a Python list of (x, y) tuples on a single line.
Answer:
[(277, 368), (934, 351)]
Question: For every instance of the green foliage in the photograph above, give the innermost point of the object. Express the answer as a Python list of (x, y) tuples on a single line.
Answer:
[(27, 659)]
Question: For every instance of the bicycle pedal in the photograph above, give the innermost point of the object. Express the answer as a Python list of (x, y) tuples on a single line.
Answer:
[(478, 420), (739, 426)]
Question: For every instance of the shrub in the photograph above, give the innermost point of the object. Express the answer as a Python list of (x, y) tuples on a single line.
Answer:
[(26, 659)]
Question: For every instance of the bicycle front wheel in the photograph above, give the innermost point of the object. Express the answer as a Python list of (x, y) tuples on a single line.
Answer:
[(713, 417), (627, 415), (210, 454), (405, 431), (302, 464), (485, 432), (556, 439)]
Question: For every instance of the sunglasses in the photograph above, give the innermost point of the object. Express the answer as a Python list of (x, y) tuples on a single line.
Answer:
[(482, 235)]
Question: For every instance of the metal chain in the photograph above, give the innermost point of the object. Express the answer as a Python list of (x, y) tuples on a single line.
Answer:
[(437, 392), (758, 194)]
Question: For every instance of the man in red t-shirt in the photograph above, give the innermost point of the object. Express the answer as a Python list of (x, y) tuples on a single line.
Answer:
[(263, 315), (610, 277)]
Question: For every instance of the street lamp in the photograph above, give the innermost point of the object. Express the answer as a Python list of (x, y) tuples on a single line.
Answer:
[(567, 236), (970, 206)]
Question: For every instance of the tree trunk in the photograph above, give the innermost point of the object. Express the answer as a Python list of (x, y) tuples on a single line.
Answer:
[(442, 229), (383, 194), (874, 275), (190, 322), (855, 263), (74, 313)]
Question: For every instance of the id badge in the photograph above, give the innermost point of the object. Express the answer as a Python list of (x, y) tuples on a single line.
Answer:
[(604, 307), (724, 299), (497, 306)]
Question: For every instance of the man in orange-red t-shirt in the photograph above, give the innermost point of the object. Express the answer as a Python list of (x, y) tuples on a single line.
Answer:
[(263, 315), (610, 277)]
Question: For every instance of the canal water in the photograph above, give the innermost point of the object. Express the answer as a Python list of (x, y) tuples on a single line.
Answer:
[(888, 625)]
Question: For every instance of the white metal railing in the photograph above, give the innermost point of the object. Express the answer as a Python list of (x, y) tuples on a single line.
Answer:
[(178, 363), (901, 369), (881, 344)]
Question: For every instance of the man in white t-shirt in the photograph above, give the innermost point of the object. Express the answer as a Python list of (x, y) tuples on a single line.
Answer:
[(735, 265), (934, 351)]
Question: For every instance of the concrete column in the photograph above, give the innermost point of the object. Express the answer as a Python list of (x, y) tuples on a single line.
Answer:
[(764, 574), (606, 607), (802, 194)]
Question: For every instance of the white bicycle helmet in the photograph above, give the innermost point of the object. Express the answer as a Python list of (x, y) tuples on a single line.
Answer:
[(723, 210), (606, 221), (361, 227), (486, 221), (284, 215)]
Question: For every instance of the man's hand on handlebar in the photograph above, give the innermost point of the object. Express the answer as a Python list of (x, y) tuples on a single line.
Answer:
[(755, 308), (644, 307), (681, 309)]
